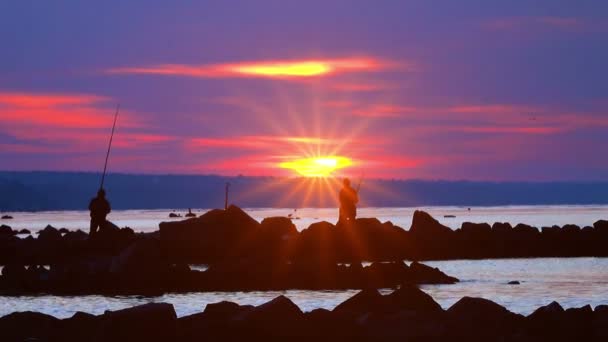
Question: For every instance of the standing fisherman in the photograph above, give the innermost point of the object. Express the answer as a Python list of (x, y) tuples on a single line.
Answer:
[(348, 203), (100, 208)]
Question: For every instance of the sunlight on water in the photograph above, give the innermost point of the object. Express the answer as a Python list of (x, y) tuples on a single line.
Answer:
[(148, 220)]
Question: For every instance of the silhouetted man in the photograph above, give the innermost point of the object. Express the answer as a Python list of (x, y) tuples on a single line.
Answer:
[(348, 203), (100, 208)]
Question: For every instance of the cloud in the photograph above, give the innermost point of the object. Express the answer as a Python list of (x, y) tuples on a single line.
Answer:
[(256, 142), (57, 110), (285, 69)]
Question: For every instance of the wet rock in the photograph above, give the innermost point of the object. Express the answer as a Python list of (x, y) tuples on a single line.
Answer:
[(423, 274)]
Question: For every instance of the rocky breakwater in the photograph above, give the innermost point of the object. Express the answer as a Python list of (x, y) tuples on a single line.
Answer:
[(428, 239), (407, 314)]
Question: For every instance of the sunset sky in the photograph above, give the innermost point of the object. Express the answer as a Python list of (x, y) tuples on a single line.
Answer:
[(477, 90)]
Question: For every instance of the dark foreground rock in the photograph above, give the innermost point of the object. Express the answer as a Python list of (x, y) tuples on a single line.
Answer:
[(407, 314)]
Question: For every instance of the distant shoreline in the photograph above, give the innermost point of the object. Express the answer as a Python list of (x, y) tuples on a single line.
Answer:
[(46, 191)]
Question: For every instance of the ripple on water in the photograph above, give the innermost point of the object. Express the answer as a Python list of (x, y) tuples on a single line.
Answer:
[(573, 282)]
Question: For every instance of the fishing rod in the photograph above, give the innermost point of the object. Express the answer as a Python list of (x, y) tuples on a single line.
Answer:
[(105, 166), (359, 184)]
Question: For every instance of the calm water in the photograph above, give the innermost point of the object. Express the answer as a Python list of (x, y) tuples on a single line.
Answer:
[(572, 282), (147, 220)]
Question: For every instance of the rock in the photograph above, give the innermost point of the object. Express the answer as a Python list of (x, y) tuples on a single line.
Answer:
[(481, 318), (174, 215), (601, 225), (14, 271), (281, 228), (49, 234), (148, 322), (224, 310), (214, 236), (411, 298), (142, 256), (7, 217), (423, 274), (78, 235), (513, 282), (81, 326), (63, 230), (28, 326), (571, 228), (424, 224), (280, 308), (476, 228), (551, 315), (522, 228), (24, 232), (600, 323), (363, 302), (501, 227), (261, 322), (6, 230)]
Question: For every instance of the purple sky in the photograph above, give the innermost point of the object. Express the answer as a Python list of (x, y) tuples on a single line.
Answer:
[(480, 90)]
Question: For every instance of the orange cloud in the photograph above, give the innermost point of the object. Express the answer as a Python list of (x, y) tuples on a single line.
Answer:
[(262, 69)]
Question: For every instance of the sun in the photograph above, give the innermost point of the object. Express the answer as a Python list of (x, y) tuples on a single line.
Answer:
[(318, 166)]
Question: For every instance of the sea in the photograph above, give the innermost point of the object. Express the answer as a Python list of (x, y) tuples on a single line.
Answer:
[(573, 282)]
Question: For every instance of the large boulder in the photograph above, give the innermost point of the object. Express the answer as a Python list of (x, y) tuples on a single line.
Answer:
[(81, 326), (6, 230), (28, 326), (214, 236), (423, 224), (365, 301), (482, 318), (423, 274), (601, 225), (411, 298), (148, 322), (476, 228), (49, 234), (279, 318), (431, 239)]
